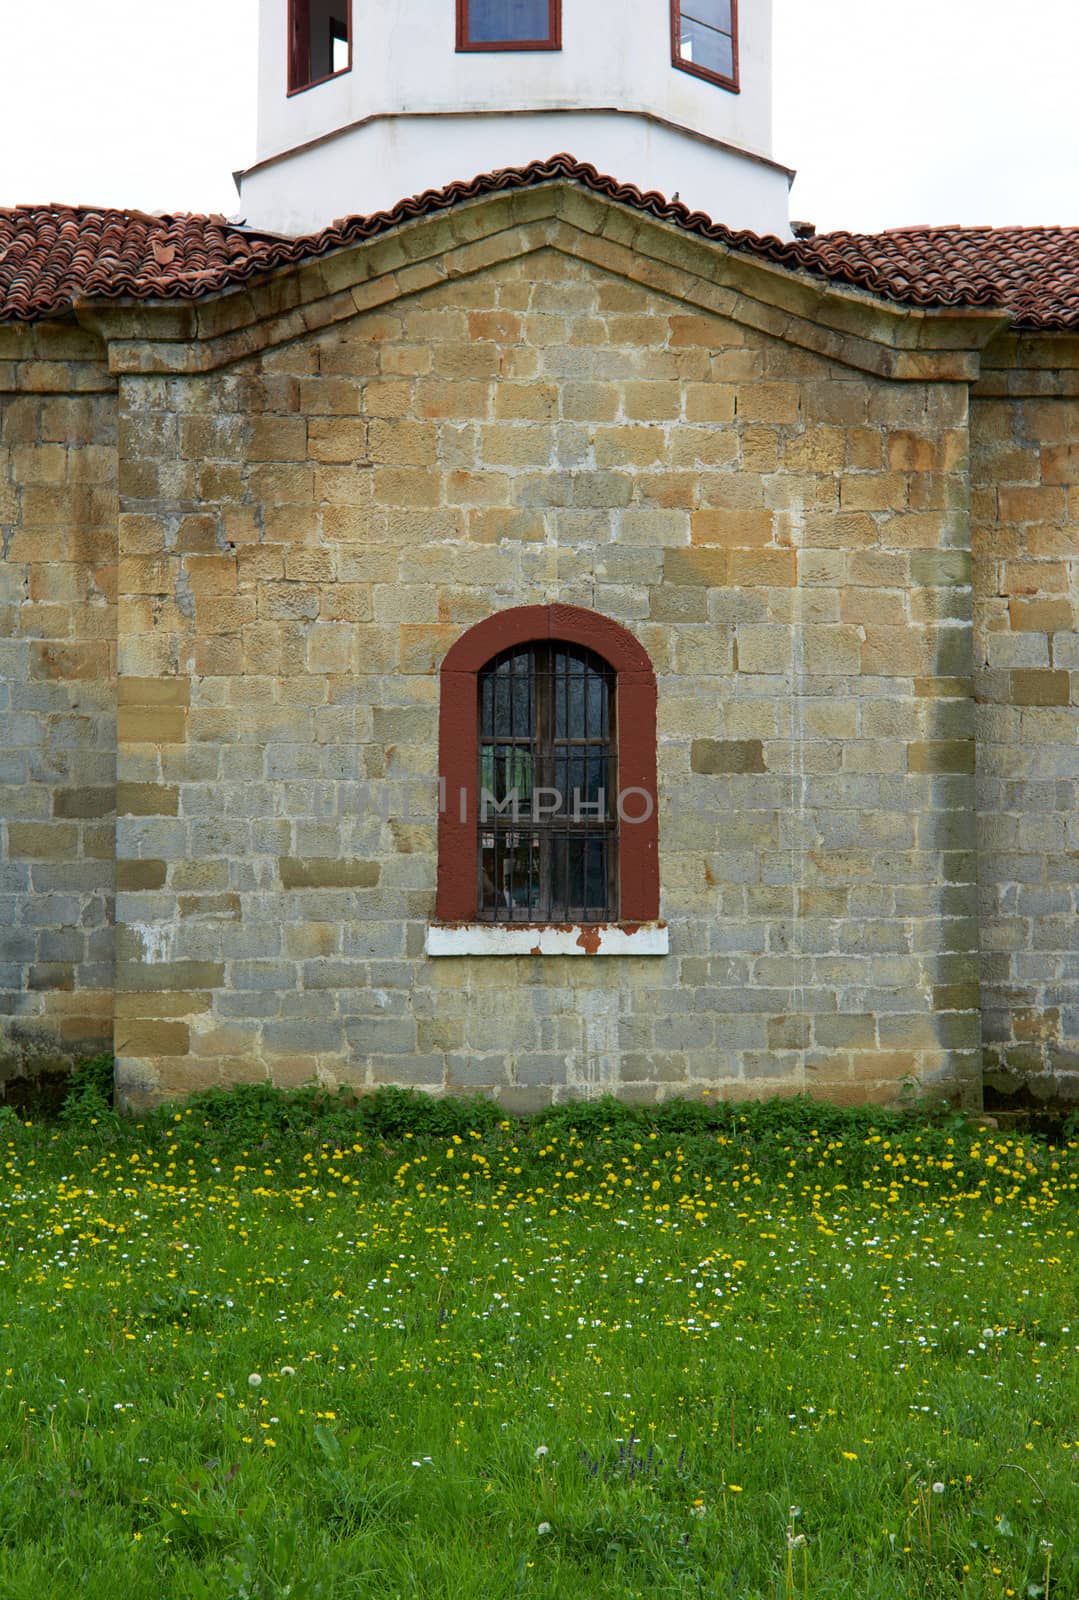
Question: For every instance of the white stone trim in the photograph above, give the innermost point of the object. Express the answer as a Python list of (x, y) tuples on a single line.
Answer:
[(491, 939)]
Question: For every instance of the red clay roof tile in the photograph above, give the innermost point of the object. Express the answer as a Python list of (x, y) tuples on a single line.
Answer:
[(54, 256)]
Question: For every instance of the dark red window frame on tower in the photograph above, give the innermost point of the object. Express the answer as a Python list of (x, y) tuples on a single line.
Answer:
[(299, 46), (459, 752), (552, 40), (690, 11)]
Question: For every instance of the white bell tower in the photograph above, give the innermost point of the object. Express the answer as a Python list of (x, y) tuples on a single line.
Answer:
[(365, 102)]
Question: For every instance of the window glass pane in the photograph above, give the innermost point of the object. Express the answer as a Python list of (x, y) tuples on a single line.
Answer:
[(503, 700), (595, 886), (597, 782), (578, 879), (580, 698), (576, 702), (508, 698), (714, 13), (507, 21), (506, 776), (509, 876), (597, 707), (565, 876), (524, 691), (339, 49), (575, 775), (523, 775), (704, 47)]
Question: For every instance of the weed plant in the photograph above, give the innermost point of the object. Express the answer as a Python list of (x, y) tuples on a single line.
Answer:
[(268, 1345)]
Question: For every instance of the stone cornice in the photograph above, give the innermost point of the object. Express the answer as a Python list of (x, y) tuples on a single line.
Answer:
[(845, 325), (52, 358), (1030, 365)]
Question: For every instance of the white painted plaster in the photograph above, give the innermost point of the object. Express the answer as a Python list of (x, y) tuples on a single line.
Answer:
[(407, 75), (596, 1069), (156, 941), (487, 939), (370, 168)]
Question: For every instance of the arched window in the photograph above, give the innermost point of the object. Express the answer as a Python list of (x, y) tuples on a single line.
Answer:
[(547, 763), (547, 817)]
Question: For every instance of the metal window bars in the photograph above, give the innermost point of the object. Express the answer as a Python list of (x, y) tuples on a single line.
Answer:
[(547, 815)]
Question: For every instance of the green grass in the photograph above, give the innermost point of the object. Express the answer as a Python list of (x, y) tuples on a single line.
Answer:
[(725, 1352)]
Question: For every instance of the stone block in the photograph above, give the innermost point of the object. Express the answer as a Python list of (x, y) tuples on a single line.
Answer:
[(1006, 650), (1042, 504), (845, 1031), (42, 841), (83, 802), (764, 648), (1037, 687), (309, 1037), (167, 975), (151, 724), (765, 568), (164, 692), (135, 1037), (139, 875), (737, 529), (209, 906), (337, 439), (150, 1006), (832, 650), (768, 402), (327, 873), (717, 756), (687, 567), (1042, 616), (932, 568), (941, 755), (789, 1033), (652, 402), (672, 604), (56, 661), (147, 799)]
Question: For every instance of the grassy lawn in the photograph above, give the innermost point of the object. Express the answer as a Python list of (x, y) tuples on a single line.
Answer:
[(786, 1353)]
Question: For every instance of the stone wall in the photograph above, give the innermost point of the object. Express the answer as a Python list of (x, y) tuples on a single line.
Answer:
[(1026, 544), (324, 480), (303, 534), (58, 509)]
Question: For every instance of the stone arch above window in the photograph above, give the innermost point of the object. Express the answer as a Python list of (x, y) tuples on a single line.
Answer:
[(633, 686)]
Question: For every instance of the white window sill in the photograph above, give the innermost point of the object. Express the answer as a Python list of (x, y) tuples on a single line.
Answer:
[(493, 939)]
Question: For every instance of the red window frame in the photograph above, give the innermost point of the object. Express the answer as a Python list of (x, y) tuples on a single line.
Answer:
[(553, 41), (731, 83), (299, 48), (458, 751)]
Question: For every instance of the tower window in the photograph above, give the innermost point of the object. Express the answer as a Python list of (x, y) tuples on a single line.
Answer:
[(704, 40), (509, 24), (320, 41)]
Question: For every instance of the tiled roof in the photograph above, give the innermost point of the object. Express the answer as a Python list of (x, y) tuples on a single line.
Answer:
[(1033, 273), (53, 256)]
